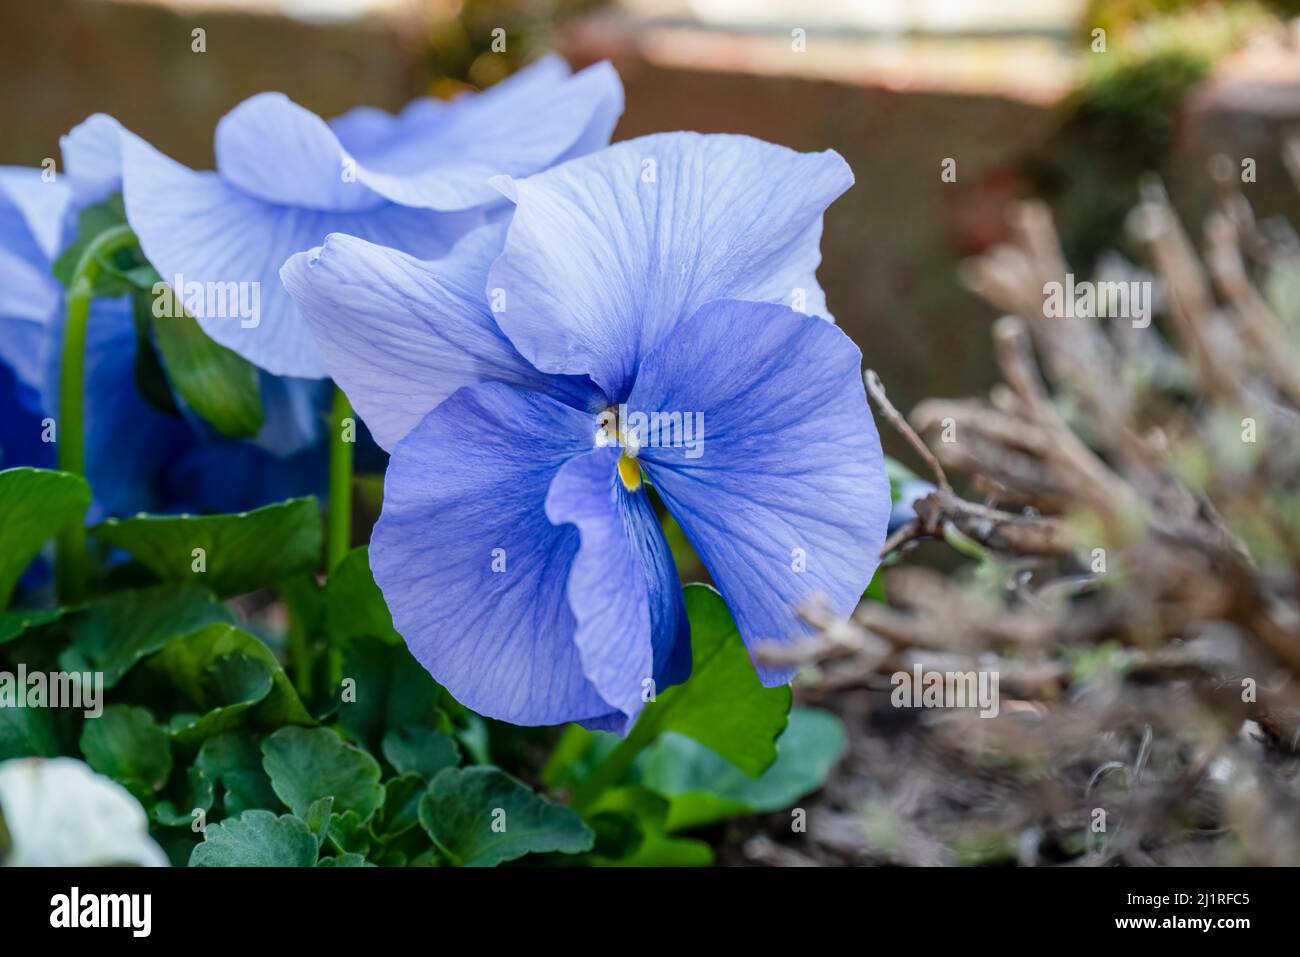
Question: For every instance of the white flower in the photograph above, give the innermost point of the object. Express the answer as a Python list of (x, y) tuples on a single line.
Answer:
[(57, 812)]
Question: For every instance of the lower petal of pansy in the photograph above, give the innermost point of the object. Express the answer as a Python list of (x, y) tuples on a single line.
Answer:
[(473, 571), (632, 632), (780, 482)]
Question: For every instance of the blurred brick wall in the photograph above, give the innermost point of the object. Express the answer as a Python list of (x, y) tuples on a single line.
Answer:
[(61, 60), (893, 242)]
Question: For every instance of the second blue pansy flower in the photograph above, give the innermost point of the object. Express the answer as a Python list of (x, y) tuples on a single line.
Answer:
[(518, 549)]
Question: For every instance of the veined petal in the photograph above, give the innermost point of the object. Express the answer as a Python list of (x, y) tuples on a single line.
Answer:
[(272, 149), (471, 568), (607, 254), (443, 158), (623, 588), (199, 228), (399, 334), (783, 493)]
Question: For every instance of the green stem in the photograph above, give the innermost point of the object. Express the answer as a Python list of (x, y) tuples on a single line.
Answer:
[(612, 769), (340, 491), (70, 553)]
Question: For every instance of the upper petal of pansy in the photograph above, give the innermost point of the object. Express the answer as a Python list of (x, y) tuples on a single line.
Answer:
[(444, 157), (780, 484), (275, 150), (623, 586), (92, 157), (471, 568), (608, 253), (198, 227), (399, 334)]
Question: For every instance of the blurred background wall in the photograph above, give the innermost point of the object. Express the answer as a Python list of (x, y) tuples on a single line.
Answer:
[(1015, 91)]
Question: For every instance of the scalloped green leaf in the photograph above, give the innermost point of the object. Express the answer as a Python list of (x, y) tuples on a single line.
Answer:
[(239, 553), (307, 764), (256, 839), (126, 744), (480, 817), (116, 632), (232, 678)]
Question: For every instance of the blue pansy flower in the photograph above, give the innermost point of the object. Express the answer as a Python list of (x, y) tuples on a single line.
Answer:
[(518, 548), (31, 215), (285, 178)]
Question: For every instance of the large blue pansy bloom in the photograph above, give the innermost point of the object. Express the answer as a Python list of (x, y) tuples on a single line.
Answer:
[(285, 179), (517, 548)]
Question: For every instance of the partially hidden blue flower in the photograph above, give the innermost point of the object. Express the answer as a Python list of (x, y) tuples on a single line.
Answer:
[(285, 178), (138, 458), (518, 549), (31, 215)]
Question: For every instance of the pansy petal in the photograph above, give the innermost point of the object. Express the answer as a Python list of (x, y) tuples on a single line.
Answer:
[(92, 157), (197, 227), (623, 588), (271, 148), (608, 253), (399, 334), (783, 493), (522, 125), (32, 203), (471, 568)]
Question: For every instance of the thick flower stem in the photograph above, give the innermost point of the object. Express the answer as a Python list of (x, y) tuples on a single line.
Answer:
[(342, 439), (70, 557)]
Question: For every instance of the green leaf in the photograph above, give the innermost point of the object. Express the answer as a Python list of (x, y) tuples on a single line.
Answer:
[(354, 605), (256, 839), (240, 553), (723, 706), (220, 385), (646, 813), (117, 276), (14, 623), (347, 832), (232, 677), (480, 817), (420, 750), (27, 733), (234, 761), (401, 809), (116, 632), (317, 818), (35, 505), (703, 788), (391, 690), (306, 764), (345, 860), (126, 744)]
